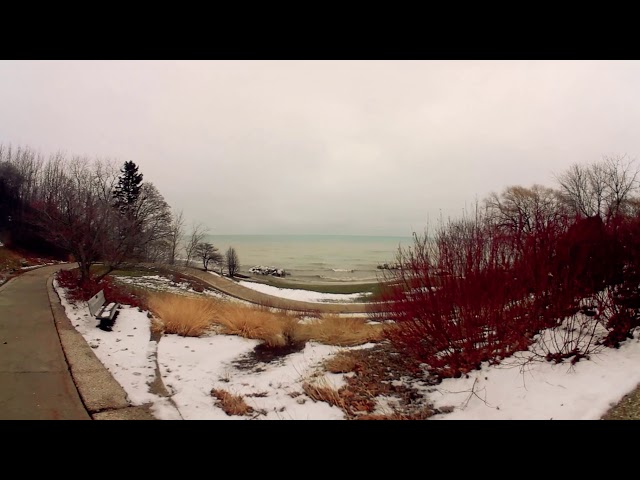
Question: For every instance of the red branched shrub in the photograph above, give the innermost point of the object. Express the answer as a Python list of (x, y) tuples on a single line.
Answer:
[(476, 292), (83, 291), (566, 262), (456, 300), (626, 292), (620, 326)]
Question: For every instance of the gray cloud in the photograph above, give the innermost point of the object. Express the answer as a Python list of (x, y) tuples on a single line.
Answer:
[(341, 147)]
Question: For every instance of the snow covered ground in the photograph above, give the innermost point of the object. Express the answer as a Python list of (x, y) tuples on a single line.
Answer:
[(163, 284), (191, 367), (159, 283), (302, 295)]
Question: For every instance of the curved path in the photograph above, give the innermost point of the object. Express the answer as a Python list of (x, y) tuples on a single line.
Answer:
[(35, 382), (236, 290), (47, 369)]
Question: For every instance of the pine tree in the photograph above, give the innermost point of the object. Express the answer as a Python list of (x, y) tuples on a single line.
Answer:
[(128, 189)]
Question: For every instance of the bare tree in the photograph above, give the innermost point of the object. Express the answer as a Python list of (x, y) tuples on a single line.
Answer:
[(177, 231), (70, 204), (520, 209), (153, 216), (208, 254), (233, 264), (72, 213), (621, 180), (198, 232), (600, 189), (140, 232)]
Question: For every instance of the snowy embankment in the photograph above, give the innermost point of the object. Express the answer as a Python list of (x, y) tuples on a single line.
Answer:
[(303, 295), (518, 388), (191, 366), (158, 283)]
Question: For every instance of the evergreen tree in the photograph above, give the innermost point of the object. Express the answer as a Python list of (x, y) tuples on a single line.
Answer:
[(128, 189)]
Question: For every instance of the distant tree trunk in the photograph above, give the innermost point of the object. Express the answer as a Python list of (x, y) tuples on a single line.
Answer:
[(198, 231), (177, 230), (85, 271), (233, 264)]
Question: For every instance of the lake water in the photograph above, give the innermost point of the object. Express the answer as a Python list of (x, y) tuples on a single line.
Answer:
[(313, 258)]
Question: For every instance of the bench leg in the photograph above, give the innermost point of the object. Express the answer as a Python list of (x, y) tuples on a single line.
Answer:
[(106, 324)]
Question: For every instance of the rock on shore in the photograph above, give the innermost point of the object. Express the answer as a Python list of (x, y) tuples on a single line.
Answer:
[(260, 270)]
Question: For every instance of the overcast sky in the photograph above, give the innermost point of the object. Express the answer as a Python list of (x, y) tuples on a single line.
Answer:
[(326, 147)]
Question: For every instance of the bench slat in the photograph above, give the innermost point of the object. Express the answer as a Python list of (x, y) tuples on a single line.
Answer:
[(98, 308)]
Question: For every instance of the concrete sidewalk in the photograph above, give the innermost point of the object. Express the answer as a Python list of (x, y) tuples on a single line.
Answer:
[(47, 369), (35, 382)]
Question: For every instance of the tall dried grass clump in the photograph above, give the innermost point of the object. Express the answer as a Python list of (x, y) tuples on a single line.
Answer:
[(341, 331), (230, 403), (278, 328), (275, 328), (182, 315), (320, 390)]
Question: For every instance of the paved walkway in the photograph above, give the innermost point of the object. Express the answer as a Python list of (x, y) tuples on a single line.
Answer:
[(35, 382), (47, 369)]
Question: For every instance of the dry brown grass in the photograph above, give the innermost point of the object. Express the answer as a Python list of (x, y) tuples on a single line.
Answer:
[(192, 316), (276, 329), (319, 390), (341, 331), (342, 362), (231, 404), (279, 328), (182, 315), (422, 414), (350, 402), (375, 371), (9, 260)]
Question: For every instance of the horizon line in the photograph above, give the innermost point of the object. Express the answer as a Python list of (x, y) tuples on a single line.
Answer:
[(310, 234)]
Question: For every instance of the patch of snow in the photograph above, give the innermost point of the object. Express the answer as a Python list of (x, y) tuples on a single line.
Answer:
[(163, 284), (542, 390), (302, 295), (192, 367), (127, 351)]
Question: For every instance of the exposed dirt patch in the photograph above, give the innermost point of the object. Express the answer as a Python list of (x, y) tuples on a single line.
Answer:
[(381, 372), (263, 354)]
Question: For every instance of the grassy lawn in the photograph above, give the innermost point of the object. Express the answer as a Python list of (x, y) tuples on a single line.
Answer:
[(130, 271), (338, 288), (324, 288)]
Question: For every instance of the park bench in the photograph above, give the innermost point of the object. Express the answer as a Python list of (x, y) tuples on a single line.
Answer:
[(105, 313)]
